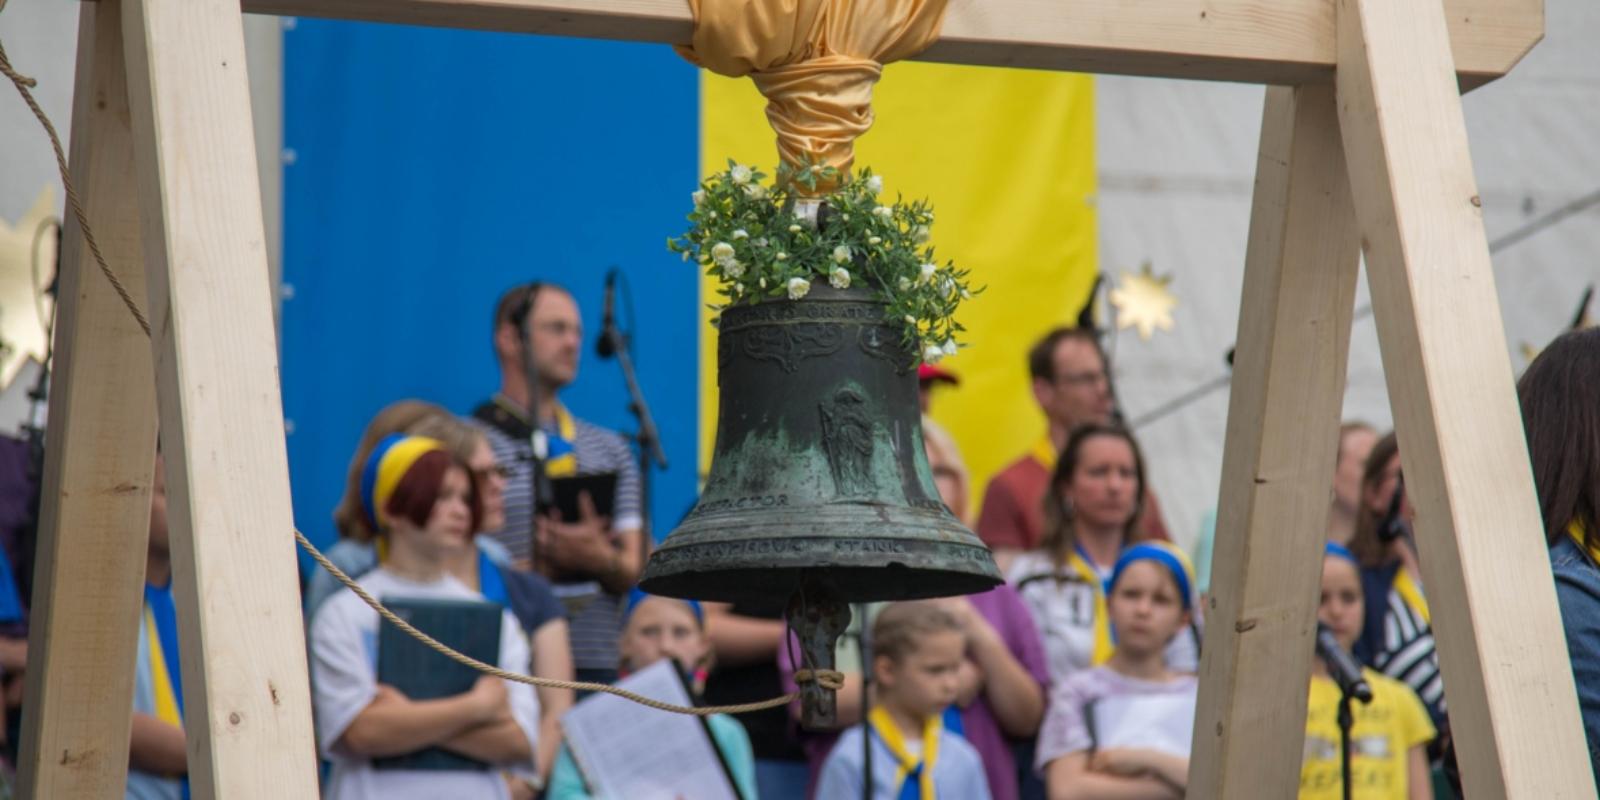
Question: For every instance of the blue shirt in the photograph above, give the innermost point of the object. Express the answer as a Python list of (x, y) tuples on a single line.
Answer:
[(1578, 592), (957, 772)]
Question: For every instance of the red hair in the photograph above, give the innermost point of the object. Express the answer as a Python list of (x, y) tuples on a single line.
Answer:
[(418, 490)]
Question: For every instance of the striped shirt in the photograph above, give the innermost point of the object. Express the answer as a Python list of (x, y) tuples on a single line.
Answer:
[(1409, 655), (594, 615)]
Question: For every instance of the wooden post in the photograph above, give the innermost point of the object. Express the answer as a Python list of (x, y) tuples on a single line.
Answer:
[(95, 509), (247, 698), (1512, 703), (1278, 461)]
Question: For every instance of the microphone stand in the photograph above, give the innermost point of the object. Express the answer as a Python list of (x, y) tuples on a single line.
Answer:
[(542, 496), (1346, 722), (649, 437)]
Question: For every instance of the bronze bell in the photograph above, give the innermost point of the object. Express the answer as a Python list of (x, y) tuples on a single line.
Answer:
[(820, 489)]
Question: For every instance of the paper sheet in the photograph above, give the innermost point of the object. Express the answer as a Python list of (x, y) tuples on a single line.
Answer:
[(627, 751)]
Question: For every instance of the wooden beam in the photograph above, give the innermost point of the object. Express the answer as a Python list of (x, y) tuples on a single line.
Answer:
[(1278, 461), (95, 509), (248, 704), (1255, 41), (1512, 703)]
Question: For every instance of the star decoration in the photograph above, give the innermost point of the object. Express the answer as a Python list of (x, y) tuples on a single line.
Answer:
[(1143, 301), (21, 328)]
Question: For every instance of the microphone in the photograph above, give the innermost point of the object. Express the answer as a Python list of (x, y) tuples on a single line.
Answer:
[(1342, 666), (606, 345)]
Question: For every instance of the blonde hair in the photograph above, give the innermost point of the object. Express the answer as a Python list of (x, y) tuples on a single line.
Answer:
[(459, 437), (901, 626), (942, 452)]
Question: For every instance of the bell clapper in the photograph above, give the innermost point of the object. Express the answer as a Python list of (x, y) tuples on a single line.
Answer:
[(818, 617)]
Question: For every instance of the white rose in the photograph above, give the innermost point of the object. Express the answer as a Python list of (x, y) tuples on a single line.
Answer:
[(921, 234), (740, 234), (839, 278), (841, 255), (874, 239), (760, 241), (738, 288), (782, 256), (699, 197), (721, 251), (949, 347), (740, 174), (875, 184), (966, 295), (931, 354), (794, 228), (763, 282), (927, 272), (733, 269), (755, 191), (910, 320), (905, 283), (948, 285), (883, 212), (798, 288)]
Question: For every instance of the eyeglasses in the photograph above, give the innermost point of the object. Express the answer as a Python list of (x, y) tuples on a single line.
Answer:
[(559, 328), (1084, 378), (501, 471)]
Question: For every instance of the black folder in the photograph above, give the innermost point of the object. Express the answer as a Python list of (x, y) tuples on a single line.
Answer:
[(471, 627)]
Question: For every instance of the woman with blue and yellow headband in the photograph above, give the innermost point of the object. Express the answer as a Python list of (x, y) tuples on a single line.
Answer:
[(1123, 728), (1092, 514), (423, 503), (1561, 415)]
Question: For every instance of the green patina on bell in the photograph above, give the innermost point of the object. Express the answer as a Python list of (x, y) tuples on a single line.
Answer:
[(819, 467), (820, 489)]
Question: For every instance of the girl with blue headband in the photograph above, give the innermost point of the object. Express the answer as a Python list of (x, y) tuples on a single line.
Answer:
[(1093, 509), (1122, 729), (424, 506)]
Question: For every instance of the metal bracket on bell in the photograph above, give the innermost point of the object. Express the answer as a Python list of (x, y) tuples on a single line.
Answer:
[(818, 618)]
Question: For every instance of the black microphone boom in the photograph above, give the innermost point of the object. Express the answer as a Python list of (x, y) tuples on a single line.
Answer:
[(1342, 666)]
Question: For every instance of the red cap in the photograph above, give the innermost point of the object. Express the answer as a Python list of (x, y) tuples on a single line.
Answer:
[(930, 372)]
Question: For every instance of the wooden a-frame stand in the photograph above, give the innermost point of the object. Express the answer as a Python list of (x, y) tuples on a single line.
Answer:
[(1362, 142)]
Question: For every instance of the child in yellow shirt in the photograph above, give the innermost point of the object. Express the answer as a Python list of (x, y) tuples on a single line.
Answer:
[(1388, 743)]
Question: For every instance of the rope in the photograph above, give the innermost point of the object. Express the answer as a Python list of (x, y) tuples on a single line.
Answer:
[(827, 679), (24, 83)]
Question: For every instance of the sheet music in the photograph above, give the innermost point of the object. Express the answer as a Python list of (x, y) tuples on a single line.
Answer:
[(627, 751), (1162, 722)]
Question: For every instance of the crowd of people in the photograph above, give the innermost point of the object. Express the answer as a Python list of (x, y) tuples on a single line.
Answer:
[(1076, 678)]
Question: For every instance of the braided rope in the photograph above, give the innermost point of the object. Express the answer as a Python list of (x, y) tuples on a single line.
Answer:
[(827, 679)]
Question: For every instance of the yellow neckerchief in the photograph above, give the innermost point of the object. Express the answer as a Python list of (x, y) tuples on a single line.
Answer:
[(557, 465), (889, 732), (1575, 530), (1103, 645), (1044, 452), (1411, 594), (166, 699)]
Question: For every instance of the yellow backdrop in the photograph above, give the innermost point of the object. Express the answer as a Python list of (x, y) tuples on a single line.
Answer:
[(1007, 158)]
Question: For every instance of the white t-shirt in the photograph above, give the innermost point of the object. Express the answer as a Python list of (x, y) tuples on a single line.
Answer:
[(344, 659), (1062, 605)]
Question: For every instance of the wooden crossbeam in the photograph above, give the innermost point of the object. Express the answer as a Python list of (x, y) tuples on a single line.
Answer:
[(1253, 41)]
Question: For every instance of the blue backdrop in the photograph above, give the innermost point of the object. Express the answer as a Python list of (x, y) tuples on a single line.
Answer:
[(428, 170)]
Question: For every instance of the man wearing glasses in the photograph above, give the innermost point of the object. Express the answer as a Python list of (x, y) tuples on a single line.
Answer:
[(1073, 388), (592, 561)]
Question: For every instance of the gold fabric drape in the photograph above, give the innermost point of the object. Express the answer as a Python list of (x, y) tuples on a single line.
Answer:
[(814, 60)]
